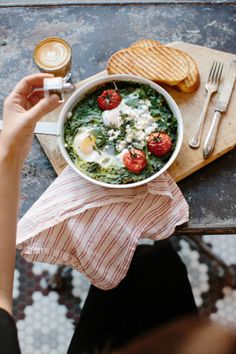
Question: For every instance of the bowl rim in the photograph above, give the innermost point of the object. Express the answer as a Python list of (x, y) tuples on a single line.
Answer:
[(82, 91)]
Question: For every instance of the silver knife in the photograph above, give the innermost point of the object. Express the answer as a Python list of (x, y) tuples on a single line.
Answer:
[(220, 108), (44, 128)]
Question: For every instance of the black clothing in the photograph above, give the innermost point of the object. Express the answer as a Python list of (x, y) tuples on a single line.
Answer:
[(8, 334), (156, 290)]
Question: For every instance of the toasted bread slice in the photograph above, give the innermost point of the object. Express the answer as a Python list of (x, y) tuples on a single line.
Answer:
[(145, 43), (192, 81), (159, 63)]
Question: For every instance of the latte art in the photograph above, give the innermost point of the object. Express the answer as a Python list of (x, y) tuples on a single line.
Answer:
[(53, 55)]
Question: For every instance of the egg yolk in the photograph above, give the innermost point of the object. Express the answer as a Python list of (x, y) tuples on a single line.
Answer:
[(87, 144)]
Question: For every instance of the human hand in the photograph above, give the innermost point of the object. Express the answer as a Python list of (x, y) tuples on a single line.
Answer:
[(22, 109)]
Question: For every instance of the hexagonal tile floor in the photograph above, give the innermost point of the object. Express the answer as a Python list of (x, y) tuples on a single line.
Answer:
[(46, 310)]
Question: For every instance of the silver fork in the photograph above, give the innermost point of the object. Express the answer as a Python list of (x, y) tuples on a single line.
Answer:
[(211, 87)]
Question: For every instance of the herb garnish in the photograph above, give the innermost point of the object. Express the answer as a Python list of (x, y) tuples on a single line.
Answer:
[(87, 114)]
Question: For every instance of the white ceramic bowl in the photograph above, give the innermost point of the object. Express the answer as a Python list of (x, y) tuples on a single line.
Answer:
[(92, 86)]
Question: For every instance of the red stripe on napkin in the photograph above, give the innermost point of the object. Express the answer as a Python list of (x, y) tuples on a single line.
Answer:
[(96, 230)]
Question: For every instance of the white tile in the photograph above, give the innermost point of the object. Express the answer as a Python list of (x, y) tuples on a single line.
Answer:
[(45, 330), (197, 271), (224, 246)]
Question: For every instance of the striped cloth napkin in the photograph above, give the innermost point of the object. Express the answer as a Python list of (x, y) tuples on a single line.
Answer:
[(95, 229)]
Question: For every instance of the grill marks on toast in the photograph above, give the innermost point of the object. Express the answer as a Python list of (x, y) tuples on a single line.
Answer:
[(159, 63), (151, 59), (172, 61), (192, 81), (127, 62), (145, 43)]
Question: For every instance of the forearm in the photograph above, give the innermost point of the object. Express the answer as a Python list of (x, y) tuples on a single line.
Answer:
[(22, 110), (10, 170)]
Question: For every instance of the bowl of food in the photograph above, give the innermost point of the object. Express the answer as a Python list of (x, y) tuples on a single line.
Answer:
[(120, 131)]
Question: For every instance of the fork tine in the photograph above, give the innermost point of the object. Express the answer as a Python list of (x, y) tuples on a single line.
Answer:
[(211, 87), (220, 73), (217, 74), (212, 78), (210, 73)]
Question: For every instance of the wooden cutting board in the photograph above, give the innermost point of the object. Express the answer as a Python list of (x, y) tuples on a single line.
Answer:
[(188, 160)]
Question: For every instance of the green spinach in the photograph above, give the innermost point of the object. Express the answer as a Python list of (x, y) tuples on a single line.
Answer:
[(87, 114)]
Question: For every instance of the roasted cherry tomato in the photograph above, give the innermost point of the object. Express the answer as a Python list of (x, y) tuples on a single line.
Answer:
[(109, 99), (159, 144), (135, 160)]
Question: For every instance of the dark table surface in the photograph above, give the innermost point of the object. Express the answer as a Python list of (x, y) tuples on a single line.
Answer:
[(94, 33)]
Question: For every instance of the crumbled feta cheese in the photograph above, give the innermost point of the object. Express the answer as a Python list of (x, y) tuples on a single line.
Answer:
[(130, 136), (69, 114), (149, 129), (116, 134), (113, 117), (113, 134), (110, 132), (121, 145), (142, 123), (140, 136), (146, 116), (146, 102)]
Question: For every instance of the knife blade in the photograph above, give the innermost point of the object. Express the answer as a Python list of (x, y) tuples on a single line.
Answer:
[(227, 88), (220, 107), (43, 128)]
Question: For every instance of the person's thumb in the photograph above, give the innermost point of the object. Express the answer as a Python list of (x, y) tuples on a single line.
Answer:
[(43, 107)]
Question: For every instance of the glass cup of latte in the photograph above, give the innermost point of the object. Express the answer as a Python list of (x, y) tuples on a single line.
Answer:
[(53, 55)]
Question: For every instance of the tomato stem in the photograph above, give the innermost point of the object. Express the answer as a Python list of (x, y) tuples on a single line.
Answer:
[(157, 139), (116, 88)]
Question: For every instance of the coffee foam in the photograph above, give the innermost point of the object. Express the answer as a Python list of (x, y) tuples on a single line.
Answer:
[(52, 54)]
